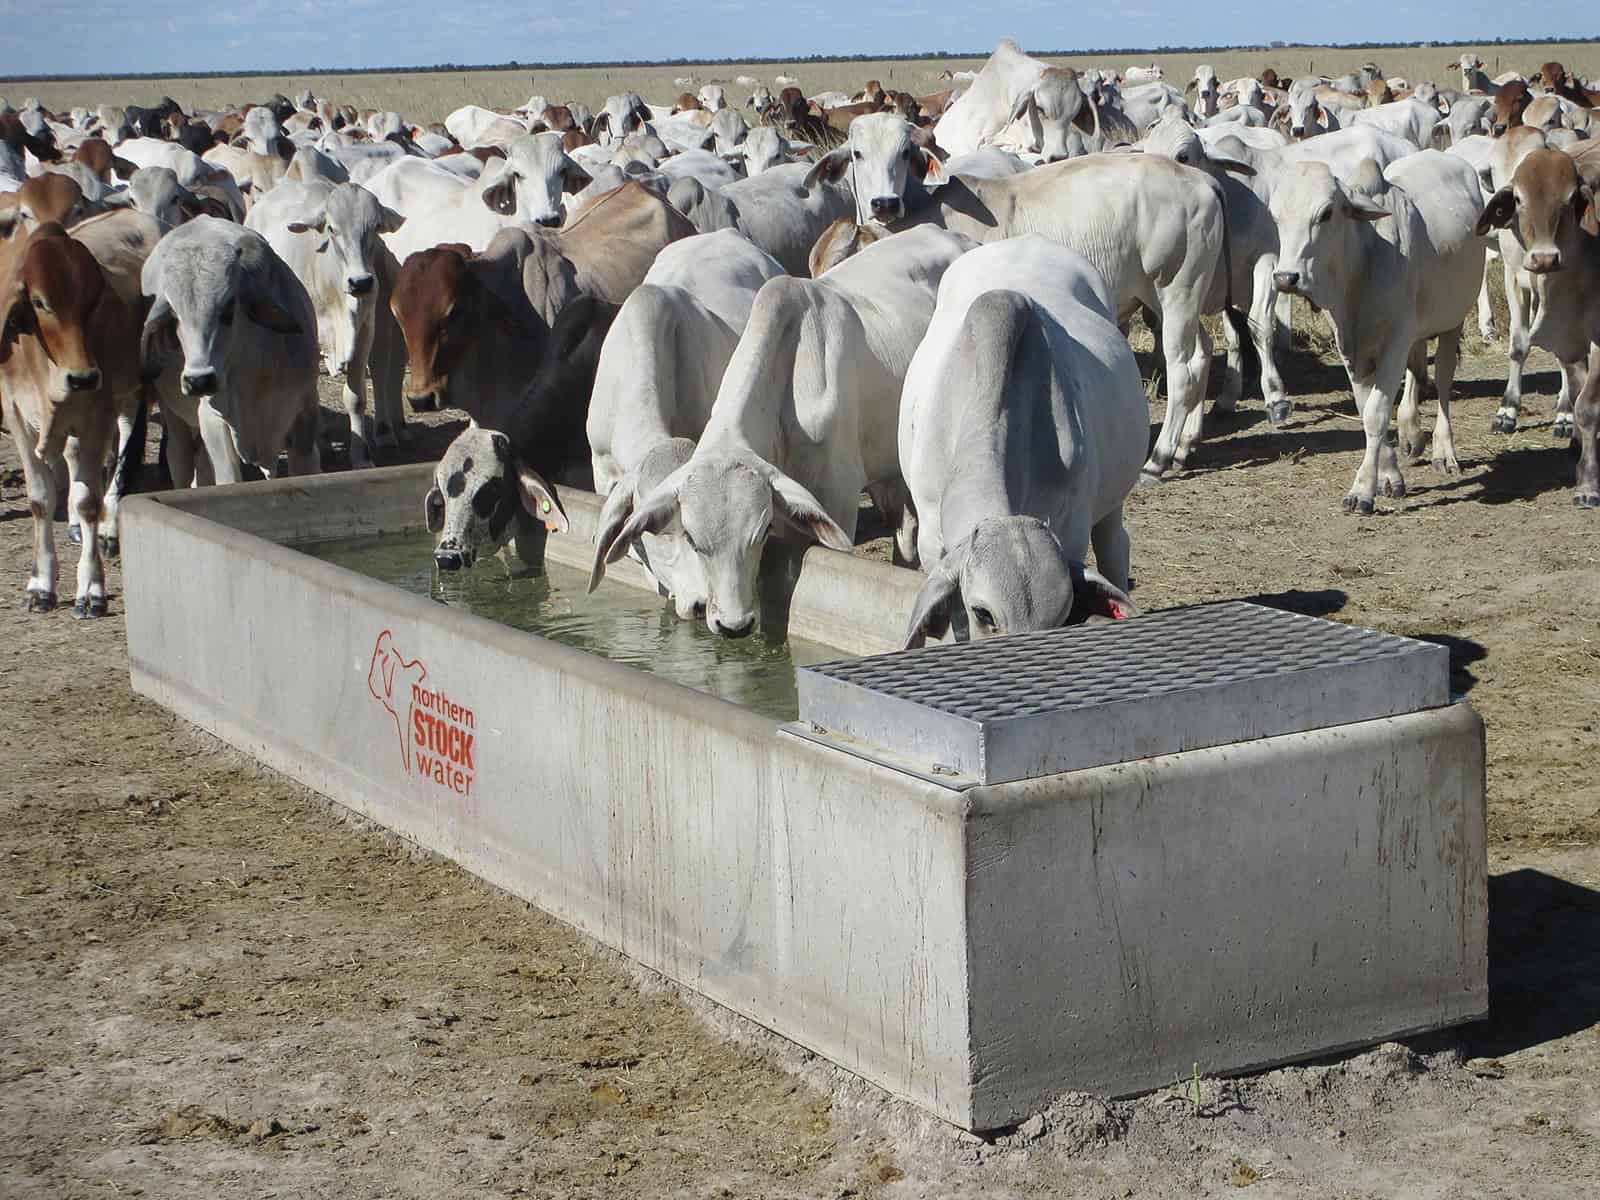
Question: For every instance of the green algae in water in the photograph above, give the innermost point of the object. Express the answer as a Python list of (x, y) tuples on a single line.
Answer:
[(618, 622)]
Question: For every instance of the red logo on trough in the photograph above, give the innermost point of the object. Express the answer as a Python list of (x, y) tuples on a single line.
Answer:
[(437, 736)]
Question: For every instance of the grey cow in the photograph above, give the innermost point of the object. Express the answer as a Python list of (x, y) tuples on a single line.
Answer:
[(243, 326), (329, 235)]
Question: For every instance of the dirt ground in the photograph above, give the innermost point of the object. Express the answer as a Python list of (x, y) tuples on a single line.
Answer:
[(215, 986)]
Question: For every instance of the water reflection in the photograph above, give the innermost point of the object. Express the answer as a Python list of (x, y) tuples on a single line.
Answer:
[(618, 622)]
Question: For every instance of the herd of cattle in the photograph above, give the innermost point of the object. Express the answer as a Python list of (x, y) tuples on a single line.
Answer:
[(733, 319)]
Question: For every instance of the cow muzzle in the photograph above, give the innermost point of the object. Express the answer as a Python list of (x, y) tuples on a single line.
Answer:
[(199, 383), (887, 208), (83, 381), (1497, 130), (1286, 281), (551, 222), (360, 285), (424, 402), (1544, 262), (728, 630)]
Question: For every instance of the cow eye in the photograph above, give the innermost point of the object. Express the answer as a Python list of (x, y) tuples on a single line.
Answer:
[(689, 538), (1324, 217), (983, 617), (40, 303), (856, 155)]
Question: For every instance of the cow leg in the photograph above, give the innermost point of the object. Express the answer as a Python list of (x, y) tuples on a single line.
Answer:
[(1375, 397), (1586, 415), (387, 367), (1517, 341), (363, 431), (85, 460), (1232, 389), (1485, 307), (40, 595), (1444, 377), (1572, 374), (1187, 350), (1409, 422), (1264, 330), (179, 440), (226, 465), (1109, 537), (1284, 305), (304, 453)]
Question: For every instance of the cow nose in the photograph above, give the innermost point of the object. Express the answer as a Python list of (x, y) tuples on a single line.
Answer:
[(1542, 262), (733, 631), (885, 206), (1286, 281), (424, 402), (549, 222), (448, 560), (360, 285), (199, 383), (1497, 130), (83, 381)]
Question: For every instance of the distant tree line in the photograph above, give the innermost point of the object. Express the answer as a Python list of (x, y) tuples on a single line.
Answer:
[(922, 56)]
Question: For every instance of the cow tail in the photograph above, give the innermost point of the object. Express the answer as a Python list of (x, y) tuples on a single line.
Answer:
[(124, 481), (1249, 360)]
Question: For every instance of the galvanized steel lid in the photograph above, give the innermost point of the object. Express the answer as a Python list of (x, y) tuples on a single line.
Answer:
[(1035, 704)]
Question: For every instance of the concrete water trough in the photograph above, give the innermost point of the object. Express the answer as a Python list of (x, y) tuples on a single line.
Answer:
[(978, 876)]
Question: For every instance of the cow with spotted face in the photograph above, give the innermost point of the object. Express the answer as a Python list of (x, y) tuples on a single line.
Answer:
[(879, 156), (483, 499)]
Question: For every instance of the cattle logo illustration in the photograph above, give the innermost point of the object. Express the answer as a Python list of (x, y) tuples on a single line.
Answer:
[(437, 735)]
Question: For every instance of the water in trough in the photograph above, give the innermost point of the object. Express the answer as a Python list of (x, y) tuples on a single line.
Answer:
[(618, 622)]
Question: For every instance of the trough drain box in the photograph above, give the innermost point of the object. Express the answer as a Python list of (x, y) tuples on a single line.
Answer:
[(1035, 704)]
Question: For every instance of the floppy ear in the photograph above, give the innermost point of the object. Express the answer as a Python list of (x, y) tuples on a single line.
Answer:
[(614, 514), (936, 604), (1497, 214), (15, 319), (389, 220), (1022, 107), (1192, 86), (573, 177), (1094, 597), (1368, 208), (651, 515), (802, 512), (831, 166), (540, 500), (433, 509), (1087, 118), (1234, 165), (122, 168), (933, 172), (1583, 206)]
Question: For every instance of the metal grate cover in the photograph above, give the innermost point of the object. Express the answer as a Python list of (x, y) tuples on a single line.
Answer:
[(1065, 699)]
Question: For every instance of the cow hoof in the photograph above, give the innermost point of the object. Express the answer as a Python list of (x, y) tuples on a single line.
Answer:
[(1394, 488), (1149, 478), (1503, 422), (1358, 504), (1586, 499), (1562, 427), (1278, 412), (75, 534), (38, 602), (1447, 466), (88, 607), (1410, 448)]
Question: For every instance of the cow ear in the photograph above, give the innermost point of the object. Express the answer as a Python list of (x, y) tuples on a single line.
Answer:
[(389, 220), (540, 500), (1583, 205), (831, 166), (1497, 214), (269, 315), (935, 605), (933, 172), (1094, 597), (433, 510), (154, 338), (802, 512), (574, 177), (122, 168), (15, 320), (614, 514), (1234, 165), (650, 515), (1021, 107)]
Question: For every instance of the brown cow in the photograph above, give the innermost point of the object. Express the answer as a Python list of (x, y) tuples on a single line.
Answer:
[(1510, 102), (41, 200), (96, 154), (574, 138), (686, 102), (69, 350), (839, 241), (478, 328), (558, 118)]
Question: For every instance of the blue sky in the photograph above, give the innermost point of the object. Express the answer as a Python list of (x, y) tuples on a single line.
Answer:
[(102, 37)]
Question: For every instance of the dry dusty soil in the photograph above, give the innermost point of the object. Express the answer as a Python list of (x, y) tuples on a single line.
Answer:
[(215, 986)]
